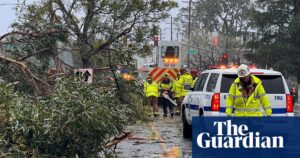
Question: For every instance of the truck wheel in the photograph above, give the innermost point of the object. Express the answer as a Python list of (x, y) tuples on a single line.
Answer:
[(187, 129)]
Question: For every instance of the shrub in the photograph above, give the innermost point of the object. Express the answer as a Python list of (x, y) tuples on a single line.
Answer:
[(75, 119)]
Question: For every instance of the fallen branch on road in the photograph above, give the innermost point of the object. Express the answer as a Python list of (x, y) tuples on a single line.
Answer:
[(116, 140), (137, 138), (144, 138)]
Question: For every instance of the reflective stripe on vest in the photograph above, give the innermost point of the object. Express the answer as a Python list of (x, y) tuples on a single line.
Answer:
[(267, 108), (262, 95), (247, 109)]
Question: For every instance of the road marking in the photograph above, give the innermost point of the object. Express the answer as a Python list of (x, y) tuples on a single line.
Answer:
[(174, 152)]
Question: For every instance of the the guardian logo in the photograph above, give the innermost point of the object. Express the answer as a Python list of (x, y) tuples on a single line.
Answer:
[(237, 137)]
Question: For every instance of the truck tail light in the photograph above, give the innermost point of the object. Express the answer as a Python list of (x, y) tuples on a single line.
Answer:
[(289, 103), (215, 102)]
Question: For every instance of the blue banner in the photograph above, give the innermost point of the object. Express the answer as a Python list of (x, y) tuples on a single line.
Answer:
[(240, 137)]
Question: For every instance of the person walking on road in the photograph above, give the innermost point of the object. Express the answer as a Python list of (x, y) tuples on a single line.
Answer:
[(185, 84), (246, 94), (176, 90), (151, 91), (165, 89)]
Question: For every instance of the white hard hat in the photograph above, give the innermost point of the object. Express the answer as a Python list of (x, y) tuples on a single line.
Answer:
[(243, 70)]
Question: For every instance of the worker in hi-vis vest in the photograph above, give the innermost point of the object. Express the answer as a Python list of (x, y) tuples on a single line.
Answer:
[(246, 94), (185, 84), (151, 91)]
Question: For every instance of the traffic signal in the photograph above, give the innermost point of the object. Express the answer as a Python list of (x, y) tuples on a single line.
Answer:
[(155, 40), (225, 58)]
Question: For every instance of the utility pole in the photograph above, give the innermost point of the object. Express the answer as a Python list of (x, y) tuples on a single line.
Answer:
[(189, 35), (171, 29), (160, 38)]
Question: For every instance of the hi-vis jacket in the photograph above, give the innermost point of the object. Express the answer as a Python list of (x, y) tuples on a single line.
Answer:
[(151, 89), (247, 106), (185, 83), (176, 88), (166, 87)]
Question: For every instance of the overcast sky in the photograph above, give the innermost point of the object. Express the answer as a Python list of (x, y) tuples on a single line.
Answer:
[(8, 15)]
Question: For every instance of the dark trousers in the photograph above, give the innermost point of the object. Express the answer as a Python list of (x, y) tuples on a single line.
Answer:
[(166, 103), (152, 102)]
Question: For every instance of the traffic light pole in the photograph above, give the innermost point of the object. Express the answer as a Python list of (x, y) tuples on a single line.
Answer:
[(189, 34), (157, 49)]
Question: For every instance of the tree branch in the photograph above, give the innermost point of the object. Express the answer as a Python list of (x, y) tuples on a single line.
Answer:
[(69, 17), (34, 54), (112, 39), (28, 74), (32, 34)]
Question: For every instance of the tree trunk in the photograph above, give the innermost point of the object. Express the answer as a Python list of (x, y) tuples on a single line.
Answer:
[(55, 55), (112, 70), (86, 61)]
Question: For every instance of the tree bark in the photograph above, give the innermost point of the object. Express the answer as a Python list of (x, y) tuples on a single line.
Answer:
[(112, 70)]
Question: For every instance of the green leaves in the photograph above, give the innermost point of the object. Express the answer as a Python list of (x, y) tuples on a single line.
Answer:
[(74, 119), (276, 41)]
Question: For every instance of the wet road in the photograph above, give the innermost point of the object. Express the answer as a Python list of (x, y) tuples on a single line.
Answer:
[(297, 109), (161, 137)]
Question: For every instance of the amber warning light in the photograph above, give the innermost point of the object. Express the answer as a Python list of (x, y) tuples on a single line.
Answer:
[(170, 60)]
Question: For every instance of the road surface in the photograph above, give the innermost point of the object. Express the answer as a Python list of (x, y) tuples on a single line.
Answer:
[(160, 138)]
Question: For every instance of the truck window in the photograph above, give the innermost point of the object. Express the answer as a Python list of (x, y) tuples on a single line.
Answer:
[(200, 82), (211, 85), (226, 82), (273, 84), (170, 51)]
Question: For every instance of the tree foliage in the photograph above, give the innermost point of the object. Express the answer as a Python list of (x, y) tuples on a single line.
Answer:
[(75, 119), (277, 40), (96, 26), (68, 117), (97, 33), (228, 18)]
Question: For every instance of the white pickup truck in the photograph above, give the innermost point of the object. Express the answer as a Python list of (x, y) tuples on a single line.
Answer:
[(212, 86)]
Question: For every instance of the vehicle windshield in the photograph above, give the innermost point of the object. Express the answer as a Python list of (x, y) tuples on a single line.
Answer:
[(170, 51), (273, 84)]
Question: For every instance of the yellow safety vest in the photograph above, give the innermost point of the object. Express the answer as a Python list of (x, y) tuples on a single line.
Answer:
[(151, 89), (176, 88), (166, 87), (247, 106), (185, 83)]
